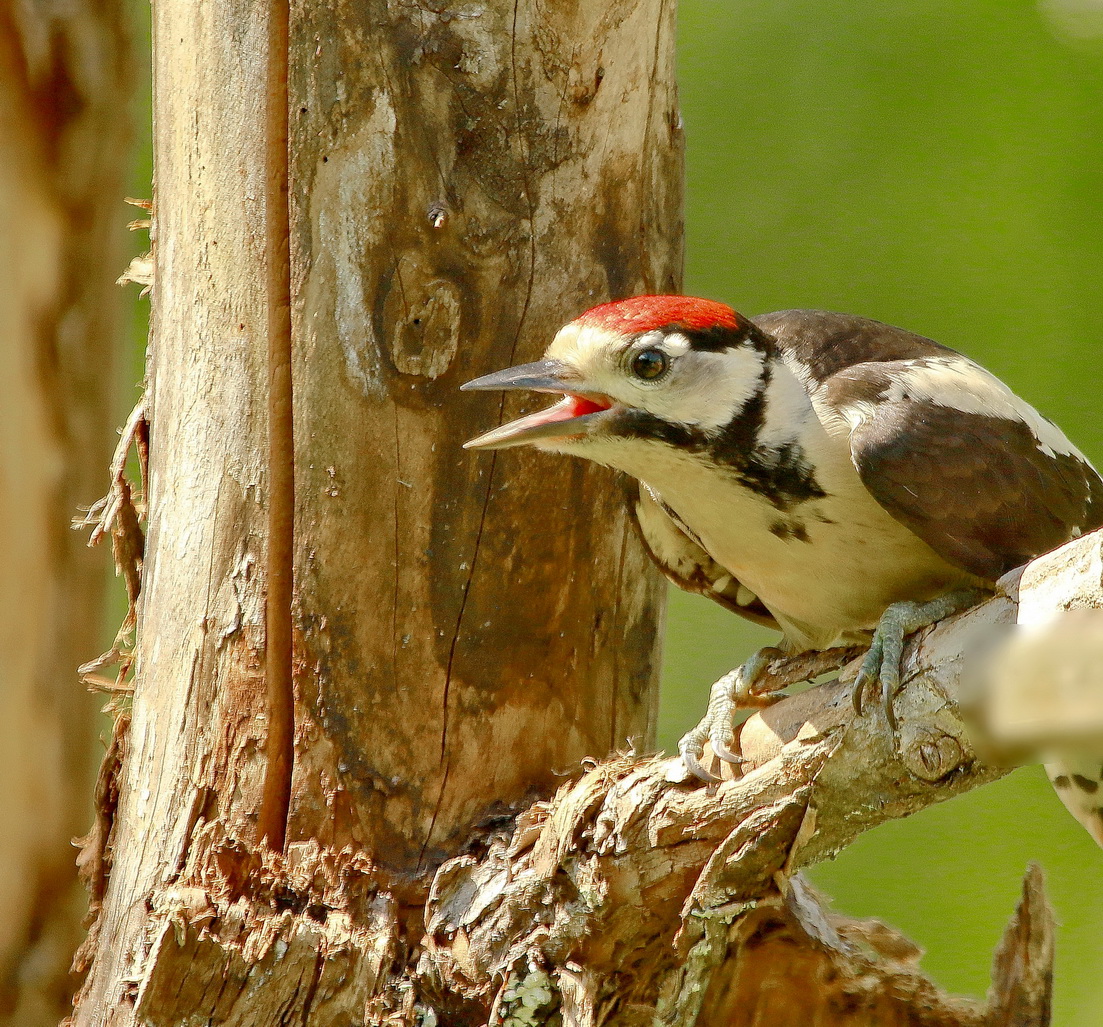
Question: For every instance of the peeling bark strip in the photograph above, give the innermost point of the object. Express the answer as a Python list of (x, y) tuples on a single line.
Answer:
[(280, 745), (119, 515)]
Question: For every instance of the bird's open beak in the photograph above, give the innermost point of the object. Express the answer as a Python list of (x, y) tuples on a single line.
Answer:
[(568, 418)]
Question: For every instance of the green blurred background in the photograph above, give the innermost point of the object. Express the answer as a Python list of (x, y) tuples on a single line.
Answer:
[(937, 164)]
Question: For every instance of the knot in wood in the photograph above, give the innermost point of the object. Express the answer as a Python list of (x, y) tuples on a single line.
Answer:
[(582, 84), (932, 755), (422, 312)]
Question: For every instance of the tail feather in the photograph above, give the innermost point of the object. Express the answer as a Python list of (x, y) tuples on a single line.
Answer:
[(1079, 783)]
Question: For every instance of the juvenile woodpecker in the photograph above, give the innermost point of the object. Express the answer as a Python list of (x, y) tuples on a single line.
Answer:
[(839, 478)]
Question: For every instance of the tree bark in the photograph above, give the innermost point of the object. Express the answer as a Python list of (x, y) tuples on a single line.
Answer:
[(65, 79), (461, 182), (493, 619)]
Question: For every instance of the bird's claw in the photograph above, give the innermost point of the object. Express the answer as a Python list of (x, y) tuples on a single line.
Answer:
[(724, 752), (881, 663), (714, 728), (733, 691), (691, 751)]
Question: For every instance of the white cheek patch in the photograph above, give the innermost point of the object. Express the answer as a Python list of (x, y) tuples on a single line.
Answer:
[(704, 389), (958, 383)]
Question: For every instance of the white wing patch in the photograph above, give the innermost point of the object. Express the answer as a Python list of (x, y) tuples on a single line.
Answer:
[(958, 383)]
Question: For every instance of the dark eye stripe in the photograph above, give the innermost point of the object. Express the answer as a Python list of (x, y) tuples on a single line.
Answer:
[(650, 364)]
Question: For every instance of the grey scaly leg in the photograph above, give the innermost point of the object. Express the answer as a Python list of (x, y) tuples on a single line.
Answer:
[(731, 692), (882, 662)]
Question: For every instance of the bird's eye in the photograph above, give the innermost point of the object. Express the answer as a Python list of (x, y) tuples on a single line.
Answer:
[(650, 364)]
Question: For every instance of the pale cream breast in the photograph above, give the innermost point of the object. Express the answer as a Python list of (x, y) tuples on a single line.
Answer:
[(827, 567)]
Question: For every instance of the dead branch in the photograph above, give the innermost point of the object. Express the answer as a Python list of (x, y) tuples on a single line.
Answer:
[(626, 875)]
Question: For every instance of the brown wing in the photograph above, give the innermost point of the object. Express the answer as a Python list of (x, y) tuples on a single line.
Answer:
[(982, 488), (685, 562), (982, 491)]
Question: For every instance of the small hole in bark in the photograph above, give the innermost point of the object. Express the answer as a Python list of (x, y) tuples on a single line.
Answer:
[(286, 899)]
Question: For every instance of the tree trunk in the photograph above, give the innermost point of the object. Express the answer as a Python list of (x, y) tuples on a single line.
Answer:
[(463, 630), (64, 79), (468, 626)]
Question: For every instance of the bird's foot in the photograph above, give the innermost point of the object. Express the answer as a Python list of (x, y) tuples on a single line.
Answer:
[(733, 691), (882, 661)]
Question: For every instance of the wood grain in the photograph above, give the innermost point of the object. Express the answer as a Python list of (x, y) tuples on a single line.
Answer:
[(464, 630)]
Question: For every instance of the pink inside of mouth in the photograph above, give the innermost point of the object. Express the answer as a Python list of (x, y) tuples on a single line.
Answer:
[(576, 406), (567, 409), (552, 422)]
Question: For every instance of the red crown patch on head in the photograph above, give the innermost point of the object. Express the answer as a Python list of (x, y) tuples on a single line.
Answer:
[(646, 313)]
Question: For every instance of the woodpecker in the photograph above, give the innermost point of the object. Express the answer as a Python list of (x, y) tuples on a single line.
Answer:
[(838, 478)]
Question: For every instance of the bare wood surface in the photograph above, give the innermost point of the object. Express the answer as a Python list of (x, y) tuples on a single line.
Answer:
[(65, 77), (792, 961), (195, 745), (464, 182), (434, 159)]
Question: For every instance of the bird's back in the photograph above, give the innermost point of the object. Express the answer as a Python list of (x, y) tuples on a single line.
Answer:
[(943, 445)]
